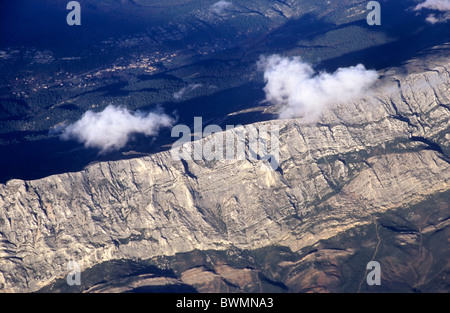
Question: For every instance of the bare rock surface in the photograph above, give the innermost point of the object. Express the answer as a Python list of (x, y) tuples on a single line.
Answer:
[(363, 158)]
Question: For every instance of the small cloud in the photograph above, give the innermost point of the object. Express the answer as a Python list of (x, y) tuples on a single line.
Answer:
[(220, 7), (439, 5), (443, 6), (111, 129), (179, 94), (302, 92), (432, 19)]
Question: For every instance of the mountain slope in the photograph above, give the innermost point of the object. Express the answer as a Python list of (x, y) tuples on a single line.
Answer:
[(386, 153)]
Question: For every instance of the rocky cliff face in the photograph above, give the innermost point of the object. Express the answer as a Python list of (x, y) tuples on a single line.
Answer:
[(338, 181)]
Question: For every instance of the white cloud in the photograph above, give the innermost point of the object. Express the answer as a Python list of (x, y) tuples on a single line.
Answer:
[(302, 92), (111, 129), (438, 5), (432, 19), (179, 94), (220, 6)]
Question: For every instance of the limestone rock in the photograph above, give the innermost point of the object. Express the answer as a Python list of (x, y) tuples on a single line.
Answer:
[(386, 151)]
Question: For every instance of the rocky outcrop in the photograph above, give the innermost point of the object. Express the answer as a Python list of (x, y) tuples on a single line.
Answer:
[(365, 158)]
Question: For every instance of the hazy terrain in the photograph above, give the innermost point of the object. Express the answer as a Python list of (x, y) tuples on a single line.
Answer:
[(138, 54), (366, 180)]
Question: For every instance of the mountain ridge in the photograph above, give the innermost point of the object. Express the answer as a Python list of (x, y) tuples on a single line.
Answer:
[(361, 159)]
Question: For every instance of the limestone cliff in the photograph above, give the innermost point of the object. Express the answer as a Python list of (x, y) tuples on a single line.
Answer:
[(360, 161)]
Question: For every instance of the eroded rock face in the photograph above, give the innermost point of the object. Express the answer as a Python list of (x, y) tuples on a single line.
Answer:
[(387, 151)]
